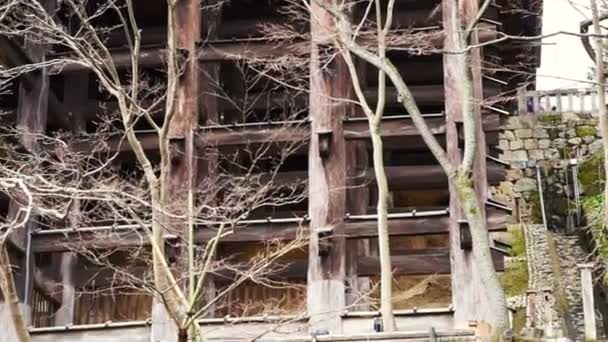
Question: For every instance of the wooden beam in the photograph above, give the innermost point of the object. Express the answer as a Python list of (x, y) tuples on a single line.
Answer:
[(409, 177), (48, 287), (11, 55), (352, 229), (415, 262), (231, 49), (240, 28), (233, 135)]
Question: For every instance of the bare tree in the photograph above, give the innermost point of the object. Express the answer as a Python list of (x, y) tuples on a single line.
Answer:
[(600, 78), (147, 200), (370, 45)]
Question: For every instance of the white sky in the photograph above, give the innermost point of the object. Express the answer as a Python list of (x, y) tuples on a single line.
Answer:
[(563, 58)]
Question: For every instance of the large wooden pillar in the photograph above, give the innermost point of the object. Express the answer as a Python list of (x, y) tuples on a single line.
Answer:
[(186, 17), (327, 179), (209, 107), (357, 202), (32, 112), (75, 90), (468, 295)]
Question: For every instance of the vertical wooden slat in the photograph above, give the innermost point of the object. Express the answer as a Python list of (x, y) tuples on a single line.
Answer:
[(522, 101), (593, 102), (558, 102), (570, 102)]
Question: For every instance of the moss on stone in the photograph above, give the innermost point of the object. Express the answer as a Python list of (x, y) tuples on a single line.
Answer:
[(549, 118), (585, 131), (519, 320), (517, 241), (533, 200), (591, 175), (515, 278)]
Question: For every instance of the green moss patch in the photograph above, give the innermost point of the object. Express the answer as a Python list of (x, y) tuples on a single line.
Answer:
[(550, 118), (515, 278), (585, 131), (517, 241)]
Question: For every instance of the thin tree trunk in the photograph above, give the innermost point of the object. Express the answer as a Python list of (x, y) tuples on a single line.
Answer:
[(482, 253), (600, 76), (386, 272), (11, 299)]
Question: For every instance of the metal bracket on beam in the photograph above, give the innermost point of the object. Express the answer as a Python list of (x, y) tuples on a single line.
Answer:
[(466, 241), (325, 143), (325, 246), (182, 58), (177, 146)]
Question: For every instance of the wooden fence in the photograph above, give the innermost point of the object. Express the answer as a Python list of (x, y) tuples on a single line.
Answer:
[(557, 101)]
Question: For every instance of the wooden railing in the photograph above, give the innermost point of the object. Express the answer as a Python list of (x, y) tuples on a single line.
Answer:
[(43, 309), (557, 101)]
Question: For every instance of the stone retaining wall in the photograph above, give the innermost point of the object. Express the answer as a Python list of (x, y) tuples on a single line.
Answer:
[(549, 142)]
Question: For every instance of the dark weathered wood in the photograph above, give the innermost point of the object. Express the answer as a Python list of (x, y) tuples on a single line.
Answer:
[(67, 271), (242, 49), (210, 114), (357, 201), (466, 285), (461, 266), (414, 177), (178, 181), (50, 289), (11, 55), (415, 262), (353, 229), (32, 113), (327, 179)]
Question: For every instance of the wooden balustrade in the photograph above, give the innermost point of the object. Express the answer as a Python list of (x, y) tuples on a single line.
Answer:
[(557, 101)]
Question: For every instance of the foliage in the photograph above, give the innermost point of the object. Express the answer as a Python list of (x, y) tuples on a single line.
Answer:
[(518, 241), (593, 207), (519, 320), (515, 278), (591, 175), (533, 198)]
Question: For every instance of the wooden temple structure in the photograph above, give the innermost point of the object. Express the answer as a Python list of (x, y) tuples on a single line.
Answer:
[(428, 235)]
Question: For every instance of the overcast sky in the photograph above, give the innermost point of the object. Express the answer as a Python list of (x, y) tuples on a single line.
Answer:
[(563, 59)]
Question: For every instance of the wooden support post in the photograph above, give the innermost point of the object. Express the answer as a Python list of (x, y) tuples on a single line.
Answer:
[(467, 291), (76, 95), (357, 200), (209, 109), (327, 179), (186, 18), (32, 112), (588, 301), (65, 313)]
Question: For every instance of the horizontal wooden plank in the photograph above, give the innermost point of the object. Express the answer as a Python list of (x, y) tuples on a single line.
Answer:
[(354, 229), (407, 177), (266, 133), (242, 49)]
